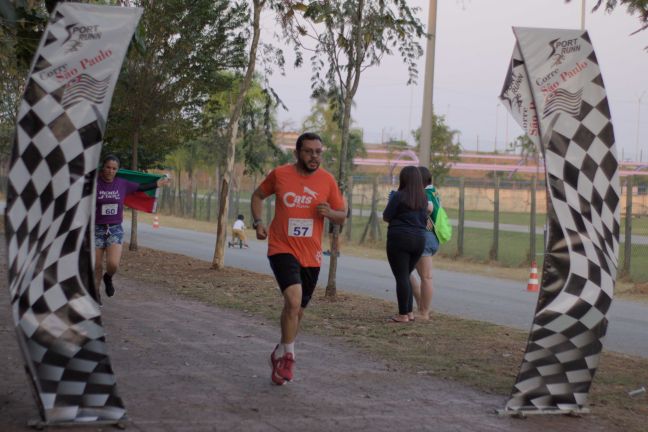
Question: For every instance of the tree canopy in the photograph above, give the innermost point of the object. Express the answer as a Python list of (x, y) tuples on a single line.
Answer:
[(639, 7), (188, 44), (324, 119), (443, 149)]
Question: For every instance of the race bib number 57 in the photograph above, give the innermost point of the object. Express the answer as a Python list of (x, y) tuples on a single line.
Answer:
[(300, 227)]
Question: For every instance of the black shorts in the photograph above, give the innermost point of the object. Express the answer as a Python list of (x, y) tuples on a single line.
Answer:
[(288, 271)]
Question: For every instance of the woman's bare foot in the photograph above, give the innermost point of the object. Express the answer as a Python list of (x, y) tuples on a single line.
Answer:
[(423, 316), (398, 319)]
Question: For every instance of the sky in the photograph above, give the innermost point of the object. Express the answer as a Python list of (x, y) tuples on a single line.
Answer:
[(473, 49)]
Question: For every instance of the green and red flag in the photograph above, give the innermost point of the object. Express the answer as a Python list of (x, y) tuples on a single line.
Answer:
[(145, 201)]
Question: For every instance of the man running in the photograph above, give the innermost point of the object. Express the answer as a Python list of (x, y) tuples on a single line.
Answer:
[(305, 195)]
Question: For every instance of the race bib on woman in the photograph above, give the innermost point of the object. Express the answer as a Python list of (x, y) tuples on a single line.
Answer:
[(109, 209)]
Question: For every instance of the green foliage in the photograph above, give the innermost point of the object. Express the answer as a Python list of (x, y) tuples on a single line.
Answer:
[(256, 124), (639, 7), (324, 120), (442, 148), (348, 37), (363, 32), (524, 146), (163, 88), (21, 27)]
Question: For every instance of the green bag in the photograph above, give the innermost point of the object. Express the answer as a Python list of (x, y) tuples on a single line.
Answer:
[(442, 227), (439, 217)]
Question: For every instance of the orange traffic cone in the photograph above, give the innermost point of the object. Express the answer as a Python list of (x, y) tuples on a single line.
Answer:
[(533, 285), (156, 222)]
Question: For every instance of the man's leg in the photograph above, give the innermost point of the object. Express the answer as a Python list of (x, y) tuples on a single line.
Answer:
[(282, 358), (291, 313), (298, 284)]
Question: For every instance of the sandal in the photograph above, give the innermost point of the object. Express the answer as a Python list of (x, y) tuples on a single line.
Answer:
[(393, 319)]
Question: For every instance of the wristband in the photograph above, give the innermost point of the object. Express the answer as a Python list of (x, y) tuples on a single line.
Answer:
[(256, 223)]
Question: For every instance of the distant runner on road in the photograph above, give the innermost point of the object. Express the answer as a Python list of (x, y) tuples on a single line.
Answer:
[(305, 195)]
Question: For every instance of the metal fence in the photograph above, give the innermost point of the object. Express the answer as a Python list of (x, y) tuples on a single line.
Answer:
[(498, 221)]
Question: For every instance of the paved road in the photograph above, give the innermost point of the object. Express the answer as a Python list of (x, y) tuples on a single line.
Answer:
[(499, 301)]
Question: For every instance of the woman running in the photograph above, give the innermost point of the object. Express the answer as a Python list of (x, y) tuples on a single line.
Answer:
[(109, 214)]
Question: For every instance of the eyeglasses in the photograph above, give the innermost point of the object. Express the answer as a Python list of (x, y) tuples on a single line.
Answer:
[(311, 152)]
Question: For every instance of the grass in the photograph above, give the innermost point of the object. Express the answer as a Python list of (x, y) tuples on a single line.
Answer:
[(482, 355)]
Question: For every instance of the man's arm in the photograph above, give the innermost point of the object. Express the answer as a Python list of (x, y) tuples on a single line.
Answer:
[(336, 216), (256, 206)]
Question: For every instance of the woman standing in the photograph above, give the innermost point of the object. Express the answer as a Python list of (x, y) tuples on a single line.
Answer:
[(109, 214), (406, 213), (423, 291)]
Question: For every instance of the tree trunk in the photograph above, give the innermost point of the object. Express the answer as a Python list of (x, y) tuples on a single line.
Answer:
[(133, 239), (494, 252), (627, 249), (461, 216), (217, 184), (372, 223), (177, 207), (331, 286), (349, 222), (373, 232), (232, 130), (349, 90), (189, 204)]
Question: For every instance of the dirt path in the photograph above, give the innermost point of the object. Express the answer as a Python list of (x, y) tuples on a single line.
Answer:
[(185, 366)]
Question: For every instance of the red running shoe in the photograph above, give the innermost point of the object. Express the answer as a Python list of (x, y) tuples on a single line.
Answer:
[(274, 363), (285, 366)]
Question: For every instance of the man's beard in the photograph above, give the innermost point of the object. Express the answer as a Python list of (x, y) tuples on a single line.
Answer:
[(307, 168)]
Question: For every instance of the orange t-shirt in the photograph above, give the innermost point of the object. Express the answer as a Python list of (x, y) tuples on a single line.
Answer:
[(297, 227)]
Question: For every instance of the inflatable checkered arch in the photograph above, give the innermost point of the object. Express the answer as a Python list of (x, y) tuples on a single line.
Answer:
[(49, 216), (562, 81)]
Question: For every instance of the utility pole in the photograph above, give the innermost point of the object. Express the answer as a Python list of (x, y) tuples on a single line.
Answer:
[(496, 125), (582, 14), (428, 89), (638, 153)]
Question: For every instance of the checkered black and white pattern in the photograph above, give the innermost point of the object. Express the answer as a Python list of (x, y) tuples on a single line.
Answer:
[(580, 266), (49, 231)]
